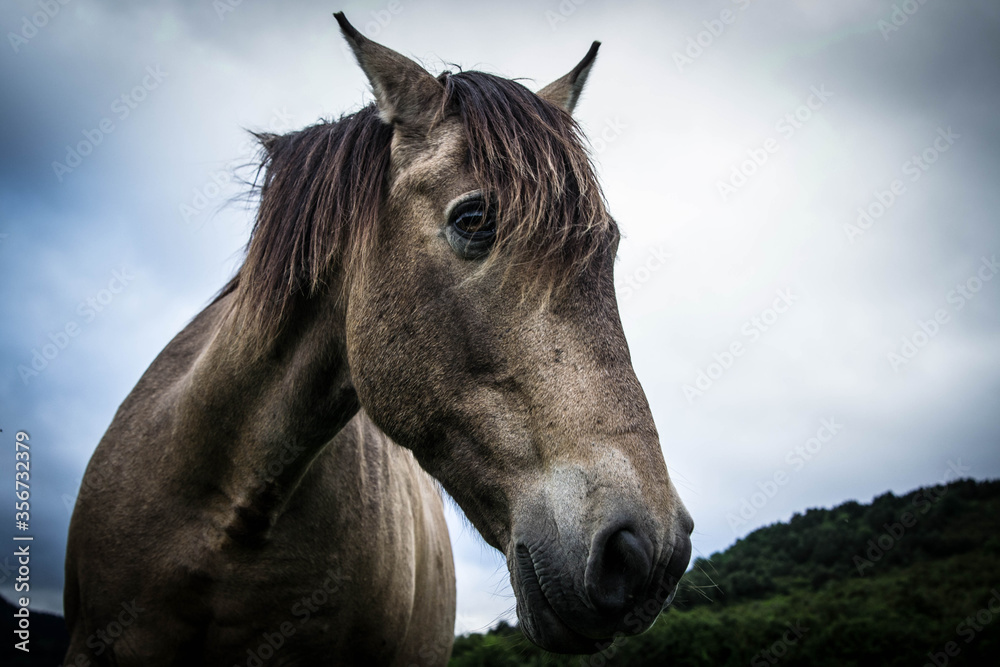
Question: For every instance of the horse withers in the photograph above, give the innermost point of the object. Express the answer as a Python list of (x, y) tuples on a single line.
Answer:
[(427, 294)]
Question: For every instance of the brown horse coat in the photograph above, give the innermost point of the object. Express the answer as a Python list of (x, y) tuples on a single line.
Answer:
[(435, 268)]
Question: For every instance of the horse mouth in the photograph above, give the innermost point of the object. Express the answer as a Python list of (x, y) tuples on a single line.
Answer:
[(577, 628), (539, 620)]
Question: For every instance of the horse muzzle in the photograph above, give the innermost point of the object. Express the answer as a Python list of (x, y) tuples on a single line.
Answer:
[(575, 594)]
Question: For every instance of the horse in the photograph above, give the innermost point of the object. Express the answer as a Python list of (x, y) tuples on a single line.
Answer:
[(426, 302)]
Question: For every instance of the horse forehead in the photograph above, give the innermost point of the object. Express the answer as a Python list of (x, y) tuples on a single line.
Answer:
[(425, 160)]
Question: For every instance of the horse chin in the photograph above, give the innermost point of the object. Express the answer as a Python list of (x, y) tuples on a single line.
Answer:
[(555, 636), (542, 625)]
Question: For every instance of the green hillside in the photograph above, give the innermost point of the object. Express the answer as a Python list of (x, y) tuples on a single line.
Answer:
[(906, 580)]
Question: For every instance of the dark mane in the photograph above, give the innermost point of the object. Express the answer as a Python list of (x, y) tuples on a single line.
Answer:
[(320, 200), (323, 187), (529, 158)]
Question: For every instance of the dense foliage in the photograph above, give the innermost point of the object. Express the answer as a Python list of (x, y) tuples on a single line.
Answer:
[(900, 581)]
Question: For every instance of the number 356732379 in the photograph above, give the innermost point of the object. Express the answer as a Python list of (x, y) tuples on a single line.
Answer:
[(22, 477)]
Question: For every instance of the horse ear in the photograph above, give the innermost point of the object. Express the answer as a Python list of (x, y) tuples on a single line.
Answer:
[(404, 91), (565, 91)]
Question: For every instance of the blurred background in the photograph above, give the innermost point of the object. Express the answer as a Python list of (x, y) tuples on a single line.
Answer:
[(808, 193)]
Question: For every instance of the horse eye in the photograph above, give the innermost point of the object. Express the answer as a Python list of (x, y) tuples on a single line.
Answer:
[(472, 219), (471, 228)]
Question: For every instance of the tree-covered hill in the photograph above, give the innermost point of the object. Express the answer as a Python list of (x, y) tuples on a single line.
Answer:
[(47, 643), (905, 580)]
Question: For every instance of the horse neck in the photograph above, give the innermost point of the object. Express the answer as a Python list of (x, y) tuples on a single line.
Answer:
[(259, 419)]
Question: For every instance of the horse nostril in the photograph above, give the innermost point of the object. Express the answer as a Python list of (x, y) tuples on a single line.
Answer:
[(618, 570)]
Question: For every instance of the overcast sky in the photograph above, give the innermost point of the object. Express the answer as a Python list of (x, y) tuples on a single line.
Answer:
[(808, 192)]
